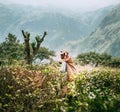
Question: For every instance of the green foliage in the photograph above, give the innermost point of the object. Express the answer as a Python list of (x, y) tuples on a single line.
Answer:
[(100, 90), (98, 59), (87, 58), (115, 62), (27, 90), (31, 50), (36, 89), (11, 49), (44, 53)]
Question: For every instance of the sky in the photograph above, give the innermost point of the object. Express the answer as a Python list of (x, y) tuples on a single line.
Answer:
[(66, 4)]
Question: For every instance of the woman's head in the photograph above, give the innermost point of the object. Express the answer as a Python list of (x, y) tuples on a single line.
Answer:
[(63, 54)]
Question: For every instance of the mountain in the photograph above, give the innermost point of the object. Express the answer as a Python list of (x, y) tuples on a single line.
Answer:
[(62, 26), (106, 37)]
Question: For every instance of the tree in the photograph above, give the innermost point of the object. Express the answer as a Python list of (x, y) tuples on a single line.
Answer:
[(98, 59), (31, 53), (44, 53), (11, 49)]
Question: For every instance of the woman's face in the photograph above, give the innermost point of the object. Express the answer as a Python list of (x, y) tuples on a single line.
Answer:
[(62, 55)]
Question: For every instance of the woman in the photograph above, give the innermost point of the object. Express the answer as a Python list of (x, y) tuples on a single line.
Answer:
[(67, 65)]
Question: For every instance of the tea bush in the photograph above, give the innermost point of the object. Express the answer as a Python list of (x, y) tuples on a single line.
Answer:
[(25, 90), (39, 89), (98, 91)]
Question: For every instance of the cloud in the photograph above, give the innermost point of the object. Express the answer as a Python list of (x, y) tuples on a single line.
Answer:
[(67, 4)]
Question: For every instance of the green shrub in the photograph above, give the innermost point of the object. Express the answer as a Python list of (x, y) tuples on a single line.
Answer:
[(98, 59), (27, 90), (98, 91), (36, 89)]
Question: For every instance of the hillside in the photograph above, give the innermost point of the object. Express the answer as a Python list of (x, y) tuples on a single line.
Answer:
[(62, 26), (106, 38)]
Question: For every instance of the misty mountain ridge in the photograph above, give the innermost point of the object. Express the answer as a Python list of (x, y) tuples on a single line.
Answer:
[(106, 37), (62, 26)]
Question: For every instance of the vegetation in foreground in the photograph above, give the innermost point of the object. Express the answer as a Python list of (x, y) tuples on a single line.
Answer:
[(39, 88), (33, 88)]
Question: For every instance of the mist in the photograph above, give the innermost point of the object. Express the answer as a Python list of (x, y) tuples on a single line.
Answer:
[(73, 5)]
